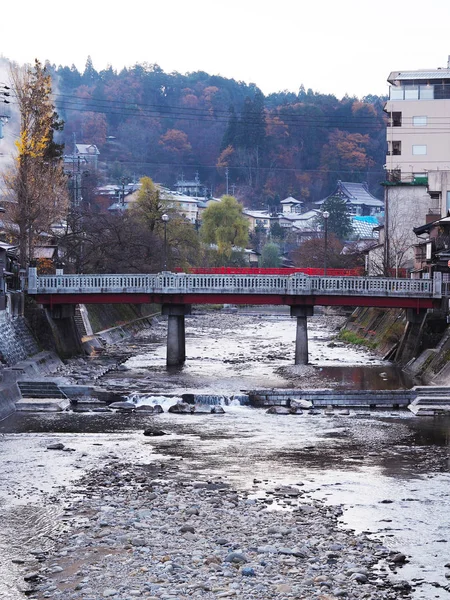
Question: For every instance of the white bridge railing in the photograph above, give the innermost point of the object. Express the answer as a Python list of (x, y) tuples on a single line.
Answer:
[(184, 283)]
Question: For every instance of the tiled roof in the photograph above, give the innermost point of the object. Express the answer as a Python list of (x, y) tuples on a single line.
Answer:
[(291, 200), (355, 193), (363, 227)]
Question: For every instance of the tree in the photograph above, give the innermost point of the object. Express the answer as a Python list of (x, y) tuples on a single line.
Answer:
[(339, 221), (37, 183), (270, 256), (149, 207), (224, 225)]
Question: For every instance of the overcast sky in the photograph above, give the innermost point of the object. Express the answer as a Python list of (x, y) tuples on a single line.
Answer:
[(333, 47)]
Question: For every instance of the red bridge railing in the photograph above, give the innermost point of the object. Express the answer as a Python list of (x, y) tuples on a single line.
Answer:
[(271, 271)]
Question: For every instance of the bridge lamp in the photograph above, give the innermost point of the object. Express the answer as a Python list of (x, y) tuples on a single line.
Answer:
[(325, 216), (165, 219)]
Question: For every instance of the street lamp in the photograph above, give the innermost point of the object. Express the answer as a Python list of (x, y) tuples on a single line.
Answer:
[(325, 216), (165, 219)]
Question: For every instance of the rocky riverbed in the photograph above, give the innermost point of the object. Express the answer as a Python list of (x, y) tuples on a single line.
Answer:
[(144, 531)]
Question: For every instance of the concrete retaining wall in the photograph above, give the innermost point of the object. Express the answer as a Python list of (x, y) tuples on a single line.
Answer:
[(16, 340)]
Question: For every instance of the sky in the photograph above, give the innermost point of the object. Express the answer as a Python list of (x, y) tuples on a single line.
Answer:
[(346, 47)]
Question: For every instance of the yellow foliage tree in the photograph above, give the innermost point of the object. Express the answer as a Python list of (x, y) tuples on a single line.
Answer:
[(37, 183)]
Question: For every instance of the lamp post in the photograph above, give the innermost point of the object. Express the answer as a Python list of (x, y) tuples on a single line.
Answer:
[(165, 219), (325, 216)]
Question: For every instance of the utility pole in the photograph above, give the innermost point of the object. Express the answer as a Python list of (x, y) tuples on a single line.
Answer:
[(226, 177)]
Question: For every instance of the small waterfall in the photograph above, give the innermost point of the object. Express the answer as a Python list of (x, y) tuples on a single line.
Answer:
[(140, 399)]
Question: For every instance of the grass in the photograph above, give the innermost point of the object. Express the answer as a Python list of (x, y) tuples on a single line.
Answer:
[(350, 337)]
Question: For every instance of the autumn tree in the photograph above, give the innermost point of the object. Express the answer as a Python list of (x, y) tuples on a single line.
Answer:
[(224, 225), (37, 183), (149, 207)]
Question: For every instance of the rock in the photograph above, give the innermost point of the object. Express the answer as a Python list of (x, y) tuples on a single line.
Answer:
[(123, 405), (181, 408), (157, 409), (248, 572), (57, 446), (300, 403), (217, 410), (398, 558), (235, 557), (154, 432), (278, 410), (187, 529), (148, 408)]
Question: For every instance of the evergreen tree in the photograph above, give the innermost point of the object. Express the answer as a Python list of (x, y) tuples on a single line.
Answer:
[(339, 221)]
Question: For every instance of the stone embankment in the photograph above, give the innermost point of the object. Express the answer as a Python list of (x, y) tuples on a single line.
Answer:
[(146, 532)]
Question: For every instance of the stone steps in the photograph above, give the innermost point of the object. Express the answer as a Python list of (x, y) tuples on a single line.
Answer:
[(40, 389)]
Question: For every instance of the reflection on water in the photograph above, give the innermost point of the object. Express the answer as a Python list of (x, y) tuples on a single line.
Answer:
[(385, 377)]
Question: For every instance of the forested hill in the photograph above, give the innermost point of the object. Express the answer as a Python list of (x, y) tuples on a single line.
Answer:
[(165, 125)]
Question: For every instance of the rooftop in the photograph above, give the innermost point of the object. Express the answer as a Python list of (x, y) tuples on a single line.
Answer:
[(419, 74)]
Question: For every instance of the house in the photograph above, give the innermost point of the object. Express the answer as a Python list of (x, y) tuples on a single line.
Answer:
[(191, 187), (357, 197), (88, 153), (291, 205), (258, 219), (432, 252)]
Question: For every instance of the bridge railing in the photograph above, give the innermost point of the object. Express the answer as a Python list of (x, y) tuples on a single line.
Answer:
[(184, 283)]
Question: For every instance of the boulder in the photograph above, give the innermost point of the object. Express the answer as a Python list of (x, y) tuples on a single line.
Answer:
[(278, 410), (123, 405), (181, 408), (154, 432), (300, 403)]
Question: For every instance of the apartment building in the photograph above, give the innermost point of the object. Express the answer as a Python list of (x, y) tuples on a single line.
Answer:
[(418, 155)]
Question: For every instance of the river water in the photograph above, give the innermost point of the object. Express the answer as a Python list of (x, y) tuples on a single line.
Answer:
[(388, 469)]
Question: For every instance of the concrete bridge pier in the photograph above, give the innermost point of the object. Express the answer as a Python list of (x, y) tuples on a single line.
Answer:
[(176, 336), (301, 339)]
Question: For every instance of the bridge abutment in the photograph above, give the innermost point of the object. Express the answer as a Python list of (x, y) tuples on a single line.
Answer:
[(301, 338), (176, 334)]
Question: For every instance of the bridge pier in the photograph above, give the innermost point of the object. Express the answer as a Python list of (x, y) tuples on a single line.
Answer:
[(176, 335), (301, 338)]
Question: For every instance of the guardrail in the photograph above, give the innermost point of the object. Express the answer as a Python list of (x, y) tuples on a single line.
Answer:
[(183, 283)]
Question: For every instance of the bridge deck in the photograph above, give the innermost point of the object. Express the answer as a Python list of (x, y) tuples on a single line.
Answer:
[(182, 288)]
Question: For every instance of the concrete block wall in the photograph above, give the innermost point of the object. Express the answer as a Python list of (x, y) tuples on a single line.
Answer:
[(16, 340)]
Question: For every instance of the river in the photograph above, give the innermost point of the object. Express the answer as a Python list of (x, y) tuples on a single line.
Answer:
[(388, 469)]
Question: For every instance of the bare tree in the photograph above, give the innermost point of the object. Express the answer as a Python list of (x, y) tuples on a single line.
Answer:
[(37, 186)]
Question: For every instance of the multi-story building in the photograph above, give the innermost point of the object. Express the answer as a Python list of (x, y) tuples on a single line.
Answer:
[(418, 156)]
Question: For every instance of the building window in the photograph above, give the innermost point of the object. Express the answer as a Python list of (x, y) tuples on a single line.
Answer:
[(396, 119), (419, 150), (396, 93), (419, 121), (394, 148), (448, 202), (427, 92), (411, 92)]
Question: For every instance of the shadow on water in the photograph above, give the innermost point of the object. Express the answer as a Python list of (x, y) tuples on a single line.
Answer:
[(376, 377)]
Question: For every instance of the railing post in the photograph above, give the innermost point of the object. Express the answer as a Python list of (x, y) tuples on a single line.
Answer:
[(32, 280), (437, 285)]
